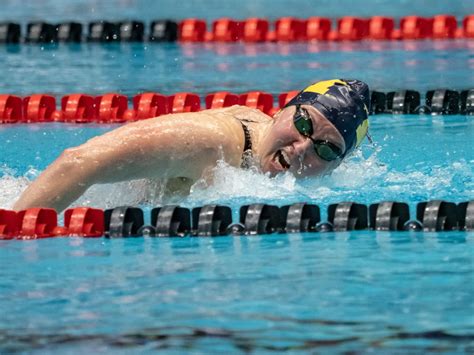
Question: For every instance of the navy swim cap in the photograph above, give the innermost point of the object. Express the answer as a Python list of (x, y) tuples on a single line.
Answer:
[(345, 103)]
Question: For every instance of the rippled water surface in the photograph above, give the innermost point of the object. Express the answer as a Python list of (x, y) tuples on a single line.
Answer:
[(312, 292), (388, 292), (28, 10), (275, 68)]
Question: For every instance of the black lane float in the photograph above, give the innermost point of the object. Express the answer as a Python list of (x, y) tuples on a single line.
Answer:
[(254, 219)]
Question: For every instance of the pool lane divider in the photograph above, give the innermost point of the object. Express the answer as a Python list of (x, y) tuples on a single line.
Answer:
[(287, 29), (113, 107), (255, 219)]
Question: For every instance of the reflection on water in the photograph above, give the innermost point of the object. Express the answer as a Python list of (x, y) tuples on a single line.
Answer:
[(300, 292), (213, 339), (146, 10), (130, 68)]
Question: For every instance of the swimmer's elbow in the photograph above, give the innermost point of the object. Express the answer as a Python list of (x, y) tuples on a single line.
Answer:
[(71, 158), (78, 164), (68, 155)]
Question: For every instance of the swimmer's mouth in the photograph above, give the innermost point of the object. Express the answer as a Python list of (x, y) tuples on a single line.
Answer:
[(283, 159)]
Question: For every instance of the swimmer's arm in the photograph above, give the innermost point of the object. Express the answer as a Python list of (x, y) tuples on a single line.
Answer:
[(165, 147)]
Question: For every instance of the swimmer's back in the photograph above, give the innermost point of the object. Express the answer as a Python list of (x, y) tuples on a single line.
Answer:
[(241, 113)]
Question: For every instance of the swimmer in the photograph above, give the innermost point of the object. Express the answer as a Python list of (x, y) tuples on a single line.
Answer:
[(310, 136)]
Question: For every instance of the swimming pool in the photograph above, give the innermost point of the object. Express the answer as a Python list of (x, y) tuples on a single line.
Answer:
[(311, 292)]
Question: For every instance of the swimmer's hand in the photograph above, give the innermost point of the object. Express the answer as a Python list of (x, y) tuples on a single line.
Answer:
[(172, 146)]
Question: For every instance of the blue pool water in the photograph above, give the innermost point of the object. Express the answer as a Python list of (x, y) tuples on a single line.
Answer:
[(169, 68), (88, 10), (380, 292), (300, 293)]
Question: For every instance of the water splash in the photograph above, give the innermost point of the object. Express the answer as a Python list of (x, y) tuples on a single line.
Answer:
[(11, 187), (358, 179), (231, 183)]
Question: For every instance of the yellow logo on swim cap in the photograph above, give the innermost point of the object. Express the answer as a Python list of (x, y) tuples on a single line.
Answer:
[(322, 87), (361, 131)]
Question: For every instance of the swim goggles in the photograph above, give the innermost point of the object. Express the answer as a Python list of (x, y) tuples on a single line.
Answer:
[(304, 125)]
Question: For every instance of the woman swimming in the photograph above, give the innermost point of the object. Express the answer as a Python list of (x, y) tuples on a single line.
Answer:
[(309, 136)]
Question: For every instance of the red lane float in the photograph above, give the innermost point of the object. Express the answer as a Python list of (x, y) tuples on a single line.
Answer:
[(84, 222), (351, 28), (444, 26), (290, 29), (221, 99), (192, 30), (147, 105), (184, 102), (10, 109), (257, 99), (38, 108), (255, 30), (416, 27), (285, 97), (468, 26), (77, 108), (9, 224), (110, 108), (318, 28), (227, 30), (381, 27), (38, 223)]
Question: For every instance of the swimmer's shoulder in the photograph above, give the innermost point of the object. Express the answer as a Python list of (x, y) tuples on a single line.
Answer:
[(244, 113), (237, 112), (229, 119)]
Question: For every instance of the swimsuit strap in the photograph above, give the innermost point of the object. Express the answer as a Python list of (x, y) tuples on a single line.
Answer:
[(248, 140), (247, 147)]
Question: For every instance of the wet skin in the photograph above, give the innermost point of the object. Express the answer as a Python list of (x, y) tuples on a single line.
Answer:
[(282, 140)]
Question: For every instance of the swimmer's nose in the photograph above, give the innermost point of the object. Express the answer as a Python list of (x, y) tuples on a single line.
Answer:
[(301, 147)]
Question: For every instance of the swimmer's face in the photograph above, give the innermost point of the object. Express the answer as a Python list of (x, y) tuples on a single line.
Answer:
[(284, 148)]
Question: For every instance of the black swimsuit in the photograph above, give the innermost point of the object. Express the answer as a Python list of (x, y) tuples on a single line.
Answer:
[(247, 153)]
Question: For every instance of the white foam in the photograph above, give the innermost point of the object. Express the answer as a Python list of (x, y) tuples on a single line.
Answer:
[(132, 193), (229, 182), (11, 187), (136, 192), (358, 178)]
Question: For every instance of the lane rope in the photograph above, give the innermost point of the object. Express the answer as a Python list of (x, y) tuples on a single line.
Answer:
[(254, 219), (287, 29)]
